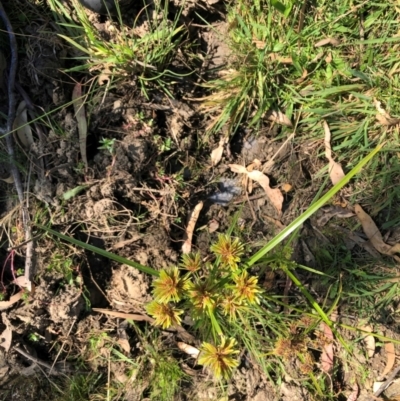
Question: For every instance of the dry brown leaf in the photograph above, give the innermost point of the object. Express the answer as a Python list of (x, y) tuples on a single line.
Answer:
[(327, 349), (369, 341), (274, 194), (280, 59), (383, 117), (237, 168), (187, 245), (21, 124), (302, 78), (390, 358), (354, 393), (104, 77), (335, 169), (328, 41), (213, 226), (260, 44), (6, 335), (372, 232), (278, 117), (13, 299), (286, 187), (188, 349), (23, 282), (276, 222), (216, 154), (79, 108), (8, 180), (124, 344)]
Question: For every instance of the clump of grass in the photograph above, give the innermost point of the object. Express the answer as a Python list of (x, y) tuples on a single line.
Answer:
[(147, 55), (312, 64), (82, 386), (263, 44)]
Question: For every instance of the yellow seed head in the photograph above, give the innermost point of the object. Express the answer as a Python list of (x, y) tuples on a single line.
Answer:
[(219, 358)]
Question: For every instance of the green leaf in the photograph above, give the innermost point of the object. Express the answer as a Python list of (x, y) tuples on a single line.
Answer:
[(279, 6), (73, 192), (101, 252)]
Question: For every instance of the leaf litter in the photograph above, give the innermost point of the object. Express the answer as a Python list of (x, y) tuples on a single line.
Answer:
[(327, 349), (374, 235), (187, 244), (390, 359), (79, 107), (336, 172), (369, 341), (274, 194)]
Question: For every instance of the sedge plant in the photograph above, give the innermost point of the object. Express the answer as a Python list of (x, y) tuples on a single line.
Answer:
[(146, 55), (223, 298)]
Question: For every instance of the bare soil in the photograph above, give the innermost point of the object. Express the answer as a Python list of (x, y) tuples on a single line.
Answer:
[(135, 203)]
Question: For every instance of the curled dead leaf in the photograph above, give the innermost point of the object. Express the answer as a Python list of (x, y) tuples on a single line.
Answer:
[(274, 194), (124, 344), (278, 117), (328, 41), (23, 282), (374, 235), (383, 117), (390, 359), (104, 77), (335, 169), (213, 226), (327, 349), (187, 245), (369, 341), (188, 349), (216, 154), (8, 179), (80, 115), (286, 187), (354, 393), (302, 78), (280, 59), (13, 299)]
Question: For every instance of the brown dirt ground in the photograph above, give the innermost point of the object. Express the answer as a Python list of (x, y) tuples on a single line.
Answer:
[(136, 205)]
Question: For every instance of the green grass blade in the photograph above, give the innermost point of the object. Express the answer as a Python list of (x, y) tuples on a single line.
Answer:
[(101, 252), (312, 209)]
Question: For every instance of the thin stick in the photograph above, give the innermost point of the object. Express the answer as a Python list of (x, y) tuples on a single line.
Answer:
[(10, 143), (386, 384), (37, 361), (62, 347)]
